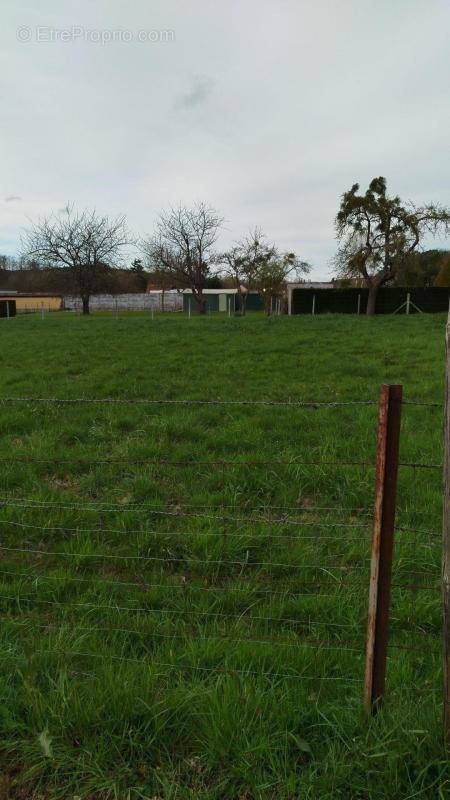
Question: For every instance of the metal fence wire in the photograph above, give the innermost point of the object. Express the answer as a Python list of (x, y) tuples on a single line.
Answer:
[(310, 593)]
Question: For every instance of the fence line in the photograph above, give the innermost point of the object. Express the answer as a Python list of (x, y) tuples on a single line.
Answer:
[(211, 638), (182, 586), (281, 536), (208, 402), (193, 515), (114, 629), (345, 578), (301, 509), (188, 402), (211, 462), (234, 563), (180, 667)]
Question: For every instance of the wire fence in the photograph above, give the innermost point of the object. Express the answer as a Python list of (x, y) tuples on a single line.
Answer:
[(274, 591)]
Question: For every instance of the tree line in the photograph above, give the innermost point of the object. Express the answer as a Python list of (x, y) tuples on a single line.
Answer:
[(379, 243), (180, 254)]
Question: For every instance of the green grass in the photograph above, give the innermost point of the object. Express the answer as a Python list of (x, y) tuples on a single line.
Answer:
[(227, 661)]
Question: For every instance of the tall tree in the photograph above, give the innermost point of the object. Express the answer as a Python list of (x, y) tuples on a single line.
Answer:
[(181, 250), (86, 244), (378, 233)]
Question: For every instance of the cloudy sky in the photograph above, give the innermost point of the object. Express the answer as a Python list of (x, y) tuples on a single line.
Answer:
[(267, 109)]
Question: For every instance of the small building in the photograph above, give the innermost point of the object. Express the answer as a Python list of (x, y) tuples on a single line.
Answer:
[(222, 300), (7, 308), (291, 287), (26, 302)]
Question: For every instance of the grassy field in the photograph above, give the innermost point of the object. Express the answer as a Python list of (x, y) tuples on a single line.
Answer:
[(195, 629)]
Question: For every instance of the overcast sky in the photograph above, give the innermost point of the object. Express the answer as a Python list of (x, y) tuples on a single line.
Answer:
[(266, 109)]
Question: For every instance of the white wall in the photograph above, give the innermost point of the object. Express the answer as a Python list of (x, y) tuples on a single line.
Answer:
[(136, 301)]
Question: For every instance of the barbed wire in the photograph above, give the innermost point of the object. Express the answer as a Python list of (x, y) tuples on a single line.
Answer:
[(199, 638), (415, 586), (242, 507), (164, 462), (247, 615), (182, 514), (407, 529), (101, 581), (208, 614), (213, 401), (178, 510), (428, 403), (419, 465), (186, 585), (221, 534), (90, 505), (48, 626), (180, 667), (170, 559), (187, 402), (324, 568)]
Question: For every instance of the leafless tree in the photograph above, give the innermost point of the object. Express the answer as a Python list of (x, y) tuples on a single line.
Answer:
[(242, 262), (85, 243), (253, 263), (181, 250)]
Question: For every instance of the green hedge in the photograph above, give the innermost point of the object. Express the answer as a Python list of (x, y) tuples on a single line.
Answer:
[(345, 301)]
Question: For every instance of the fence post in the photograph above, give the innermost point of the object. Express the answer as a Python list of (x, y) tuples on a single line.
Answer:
[(446, 542), (359, 304), (313, 311), (389, 416)]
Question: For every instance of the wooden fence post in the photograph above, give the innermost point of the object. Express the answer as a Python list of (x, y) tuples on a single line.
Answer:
[(446, 543), (382, 544)]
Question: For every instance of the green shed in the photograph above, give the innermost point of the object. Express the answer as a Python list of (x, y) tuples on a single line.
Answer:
[(7, 308), (222, 300)]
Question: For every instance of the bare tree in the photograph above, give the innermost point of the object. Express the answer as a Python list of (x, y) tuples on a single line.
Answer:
[(243, 262), (253, 263), (180, 251), (87, 244), (378, 234)]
